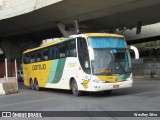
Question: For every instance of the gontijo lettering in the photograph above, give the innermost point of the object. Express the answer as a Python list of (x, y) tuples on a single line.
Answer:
[(39, 67)]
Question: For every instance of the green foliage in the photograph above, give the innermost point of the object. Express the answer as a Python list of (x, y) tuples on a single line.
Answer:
[(148, 44)]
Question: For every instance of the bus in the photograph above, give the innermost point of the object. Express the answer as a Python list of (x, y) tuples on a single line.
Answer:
[(85, 62)]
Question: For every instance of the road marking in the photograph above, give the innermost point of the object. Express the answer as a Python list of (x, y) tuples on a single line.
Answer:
[(26, 102)]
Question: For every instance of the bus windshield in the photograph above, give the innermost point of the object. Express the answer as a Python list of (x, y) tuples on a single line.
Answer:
[(111, 56)]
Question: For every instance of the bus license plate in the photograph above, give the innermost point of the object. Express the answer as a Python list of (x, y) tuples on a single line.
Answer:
[(115, 86)]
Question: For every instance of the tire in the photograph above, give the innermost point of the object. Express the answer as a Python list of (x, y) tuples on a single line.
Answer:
[(36, 86), (74, 88), (31, 85), (108, 92)]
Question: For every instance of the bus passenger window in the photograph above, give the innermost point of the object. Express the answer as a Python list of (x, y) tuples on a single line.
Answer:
[(26, 59), (45, 53), (33, 57), (72, 49), (62, 51), (39, 56), (53, 52)]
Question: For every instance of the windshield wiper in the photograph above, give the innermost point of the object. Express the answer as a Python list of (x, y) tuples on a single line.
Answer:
[(116, 61), (122, 67)]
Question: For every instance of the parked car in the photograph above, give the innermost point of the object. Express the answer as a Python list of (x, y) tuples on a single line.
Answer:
[(20, 75)]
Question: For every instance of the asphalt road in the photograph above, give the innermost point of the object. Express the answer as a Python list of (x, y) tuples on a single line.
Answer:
[(143, 96)]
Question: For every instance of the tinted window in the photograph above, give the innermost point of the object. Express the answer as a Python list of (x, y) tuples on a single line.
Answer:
[(62, 49), (83, 55), (72, 48), (32, 57), (45, 53), (53, 52), (39, 56), (26, 59)]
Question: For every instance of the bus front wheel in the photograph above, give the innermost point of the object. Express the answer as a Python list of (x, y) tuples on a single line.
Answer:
[(74, 88), (107, 92)]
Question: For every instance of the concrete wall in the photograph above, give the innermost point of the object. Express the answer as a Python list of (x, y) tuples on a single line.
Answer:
[(148, 69), (137, 67), (152, 69)]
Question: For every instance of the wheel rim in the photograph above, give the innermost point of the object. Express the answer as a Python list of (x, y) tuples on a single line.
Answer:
[(74, 88)]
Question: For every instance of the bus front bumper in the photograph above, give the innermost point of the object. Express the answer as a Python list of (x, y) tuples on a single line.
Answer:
[(109, 86)]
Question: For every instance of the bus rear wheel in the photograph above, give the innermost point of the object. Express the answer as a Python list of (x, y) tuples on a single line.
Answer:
[(74, 88), (31, 84), (36, 86)]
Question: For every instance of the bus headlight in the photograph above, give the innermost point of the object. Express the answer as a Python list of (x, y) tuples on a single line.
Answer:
[(99, 81), (130, 78)]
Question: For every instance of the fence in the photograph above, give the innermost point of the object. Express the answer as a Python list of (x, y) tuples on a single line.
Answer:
[(8, 69), (8, 77)]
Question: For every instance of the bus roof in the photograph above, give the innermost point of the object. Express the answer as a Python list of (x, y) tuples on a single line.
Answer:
[(54, 41), (97, 35), (59, 40)]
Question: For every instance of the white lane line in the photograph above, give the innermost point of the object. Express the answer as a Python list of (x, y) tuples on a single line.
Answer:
[(26, 102)]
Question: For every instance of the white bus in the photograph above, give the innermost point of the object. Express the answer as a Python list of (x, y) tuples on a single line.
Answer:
[(85, 62)]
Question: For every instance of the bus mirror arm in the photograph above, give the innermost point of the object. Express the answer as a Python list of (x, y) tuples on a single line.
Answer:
[(135, 51), (91, 53)]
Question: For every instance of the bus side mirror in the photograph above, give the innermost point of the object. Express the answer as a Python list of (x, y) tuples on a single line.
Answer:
[(91, 53), (135, 51)]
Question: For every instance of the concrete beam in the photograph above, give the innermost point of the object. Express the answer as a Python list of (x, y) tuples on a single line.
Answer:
[(65, 33), (147, 31), (12, 8)]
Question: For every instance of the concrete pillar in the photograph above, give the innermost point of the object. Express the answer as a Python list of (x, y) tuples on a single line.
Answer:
[(11, 50), (65, 32)]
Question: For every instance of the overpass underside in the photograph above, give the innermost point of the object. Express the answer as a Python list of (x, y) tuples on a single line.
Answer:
[(25, 23), (28, 16)]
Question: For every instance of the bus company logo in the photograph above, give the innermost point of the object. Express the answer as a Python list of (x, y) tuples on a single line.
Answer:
[(72, 64), (39, 67), (21, 114), (6, 114)]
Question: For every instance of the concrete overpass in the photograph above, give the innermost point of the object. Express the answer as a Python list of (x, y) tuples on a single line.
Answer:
[(28, 16), (27, 22), (148, 33)]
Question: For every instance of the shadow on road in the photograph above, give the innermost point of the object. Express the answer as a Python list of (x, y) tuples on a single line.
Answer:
[(139, 87)]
